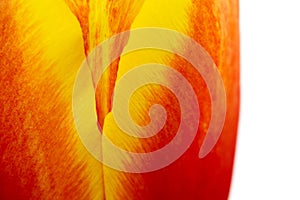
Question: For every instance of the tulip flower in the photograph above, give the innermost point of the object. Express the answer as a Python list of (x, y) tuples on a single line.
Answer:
[(52, 60)]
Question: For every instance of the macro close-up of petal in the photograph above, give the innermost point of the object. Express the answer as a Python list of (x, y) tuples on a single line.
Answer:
[(157, 81)]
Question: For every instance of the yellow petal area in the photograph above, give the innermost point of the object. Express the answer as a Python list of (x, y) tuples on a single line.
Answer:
[(154, 13), (63, 51)]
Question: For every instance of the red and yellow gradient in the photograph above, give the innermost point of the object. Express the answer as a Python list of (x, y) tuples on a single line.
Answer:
[(42, 46)]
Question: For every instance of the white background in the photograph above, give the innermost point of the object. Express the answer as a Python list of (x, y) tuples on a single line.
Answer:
[(267, 164)]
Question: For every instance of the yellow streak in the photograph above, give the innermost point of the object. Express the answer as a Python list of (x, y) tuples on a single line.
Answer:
[(154, 13), (63, 51)]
